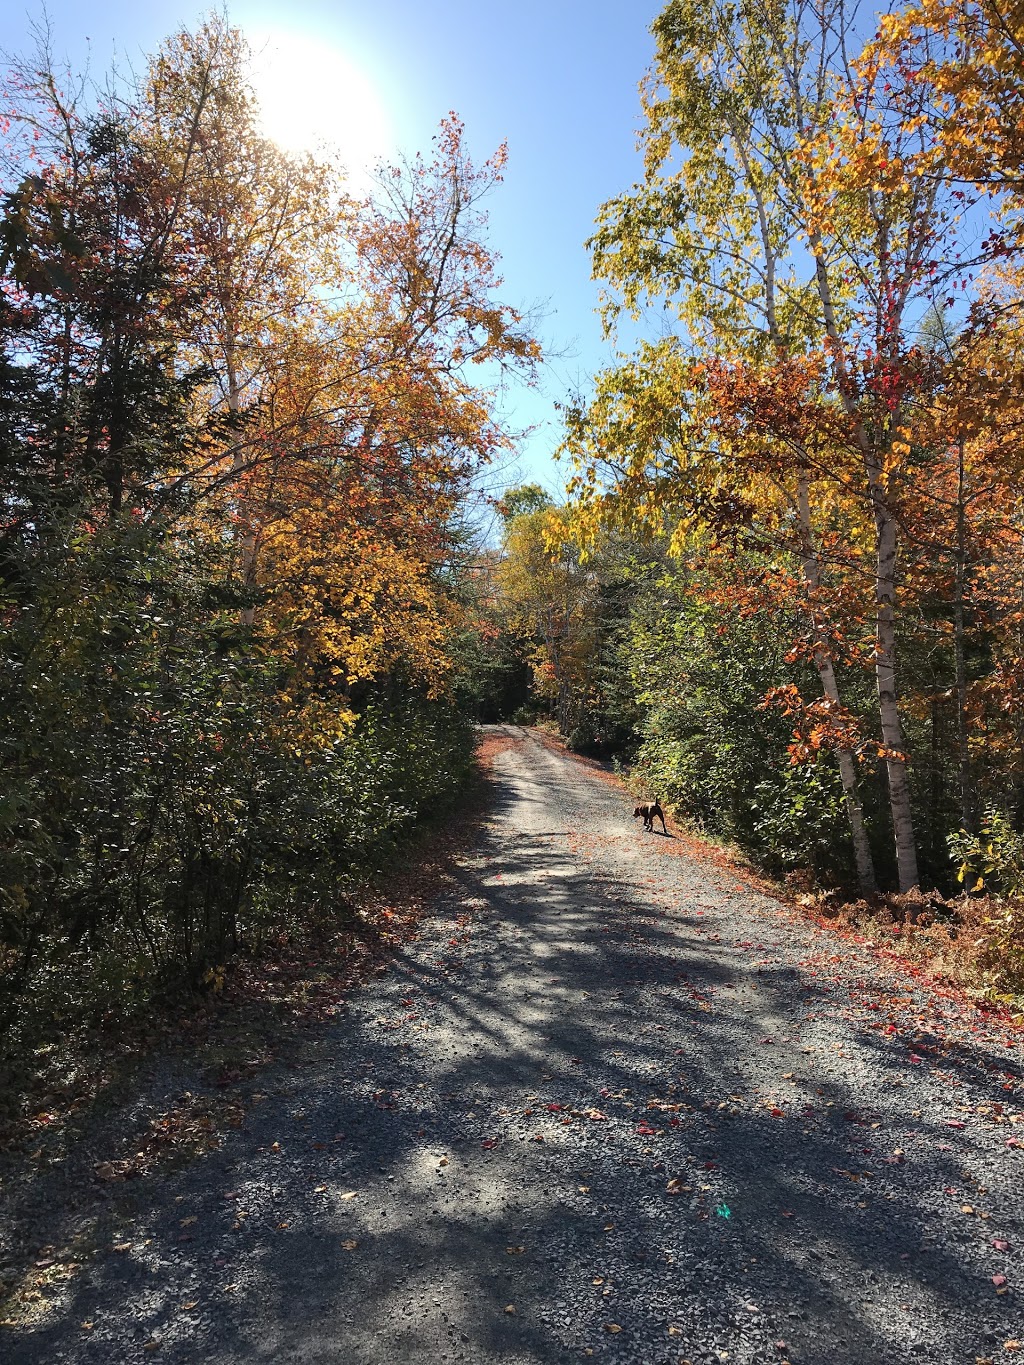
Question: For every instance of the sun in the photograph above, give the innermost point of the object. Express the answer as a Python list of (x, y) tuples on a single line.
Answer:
[(313, 98)]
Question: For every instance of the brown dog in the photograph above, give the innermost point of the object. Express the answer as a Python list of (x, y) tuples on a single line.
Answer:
[(651, 811)]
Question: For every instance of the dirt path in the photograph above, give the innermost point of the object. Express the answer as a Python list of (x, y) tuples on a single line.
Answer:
[(610, 1104)]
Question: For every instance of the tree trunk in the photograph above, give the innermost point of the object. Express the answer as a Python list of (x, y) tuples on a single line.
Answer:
[(885, 591), (866, 881), (885, 679), (967, 807), (247, 541)]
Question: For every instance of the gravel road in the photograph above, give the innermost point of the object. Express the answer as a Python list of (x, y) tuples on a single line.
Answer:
[(612, 1103)]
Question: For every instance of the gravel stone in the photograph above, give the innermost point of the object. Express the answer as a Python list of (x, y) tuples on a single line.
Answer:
[(609, 1085)]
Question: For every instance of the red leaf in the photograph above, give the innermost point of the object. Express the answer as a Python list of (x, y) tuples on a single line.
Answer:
[(999, 1281)]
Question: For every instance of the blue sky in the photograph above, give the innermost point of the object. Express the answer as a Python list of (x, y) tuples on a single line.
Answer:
[(556, 79)]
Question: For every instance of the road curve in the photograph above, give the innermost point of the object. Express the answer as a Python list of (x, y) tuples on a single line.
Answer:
[(611, 1104)]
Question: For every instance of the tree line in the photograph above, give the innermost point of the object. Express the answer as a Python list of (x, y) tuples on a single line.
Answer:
[(789, 579), (240, 413)]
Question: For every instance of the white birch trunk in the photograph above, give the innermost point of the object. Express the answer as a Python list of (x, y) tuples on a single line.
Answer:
[(866, 880)]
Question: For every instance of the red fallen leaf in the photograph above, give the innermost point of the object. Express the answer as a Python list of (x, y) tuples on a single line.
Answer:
[(711, 1165), (1001, 1244), (604, 1092), (852, 1117), (673, 1123), (777, 1113), (788, 1213), (554, 1108), (767, 1040), (999, 1281), (1014, 1142), (645, 1130), (889, 1028), (915, 1060), (489, 1143), (954, 1123)]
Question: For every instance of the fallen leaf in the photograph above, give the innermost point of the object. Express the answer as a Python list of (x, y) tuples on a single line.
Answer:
[(1001, 1244), (514, 1251), (998, 1280), (612, 1327), (350, 1244), (510, 1308)]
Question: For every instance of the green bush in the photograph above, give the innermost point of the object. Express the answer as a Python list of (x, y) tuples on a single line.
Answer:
[(160, 809), (991, 860)]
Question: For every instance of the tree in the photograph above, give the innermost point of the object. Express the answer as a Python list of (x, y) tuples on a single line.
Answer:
[(772, 224)]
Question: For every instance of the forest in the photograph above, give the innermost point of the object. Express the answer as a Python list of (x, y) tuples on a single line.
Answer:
[(249, 614), (788, 581), (240, 421)]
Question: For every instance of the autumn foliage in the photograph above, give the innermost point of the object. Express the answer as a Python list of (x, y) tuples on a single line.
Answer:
[(240, 411), (823, 445)]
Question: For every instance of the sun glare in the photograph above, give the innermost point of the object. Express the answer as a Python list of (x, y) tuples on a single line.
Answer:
[(313, 98)]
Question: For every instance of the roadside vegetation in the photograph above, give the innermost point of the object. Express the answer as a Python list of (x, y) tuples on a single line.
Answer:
[(787, 586), (239, 424)]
